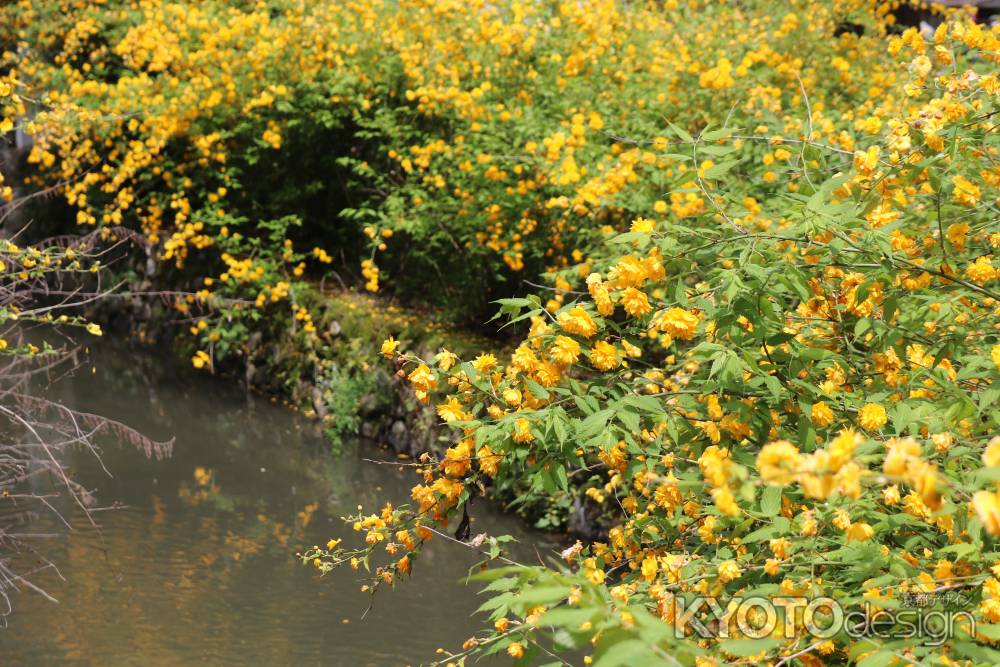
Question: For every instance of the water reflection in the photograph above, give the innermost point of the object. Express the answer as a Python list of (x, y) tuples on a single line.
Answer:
[(196, 566)]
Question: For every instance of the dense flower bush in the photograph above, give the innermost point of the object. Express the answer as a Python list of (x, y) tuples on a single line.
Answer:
[(764, 357), (778, 394), (461, 146)]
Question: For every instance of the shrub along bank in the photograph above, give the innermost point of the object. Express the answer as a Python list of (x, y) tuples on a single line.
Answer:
[(764, 350)]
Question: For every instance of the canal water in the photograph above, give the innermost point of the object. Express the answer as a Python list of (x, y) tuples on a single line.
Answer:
[(194, 564)]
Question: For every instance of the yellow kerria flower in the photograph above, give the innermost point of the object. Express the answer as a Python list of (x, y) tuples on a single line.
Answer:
[(642, 225), (966, 192), (512, 397), (445, 359), (484, 363), (987, 506), (522, 433), (680, 323), (635, 302), (821, 415), (872, 417), (991, 455), (577, 321), (422, 378), (981, 271), (604, 356), (565, 351), (648, 568), (201, 359), (779, 462), (389, 346), (451, 410), (860, 532), (728, 571)]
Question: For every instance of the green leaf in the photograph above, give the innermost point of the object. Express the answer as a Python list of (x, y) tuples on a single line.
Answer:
[(748, 647), (715, 135), (629, 419), (770, 501), (989, 631), (537, 390), (623, 653), (720, 169), (568, 617), (773, 386), (682, 133), (561, 477), (879, 659), (540, 595)]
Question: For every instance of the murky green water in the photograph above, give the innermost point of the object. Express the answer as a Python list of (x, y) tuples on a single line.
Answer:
[(197, 566)]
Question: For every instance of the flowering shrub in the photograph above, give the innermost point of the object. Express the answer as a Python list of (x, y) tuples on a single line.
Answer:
[(766, 358), (788, 394), (464, 145)]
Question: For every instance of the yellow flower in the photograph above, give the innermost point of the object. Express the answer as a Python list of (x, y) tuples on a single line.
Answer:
[(821, 415), (94, 329), (779, 462), (484, 363), (451, 411), (899, 454), (635, 302), (577, 321), (512, 397), (516, 651), (458, 459), (445, 359), (604, 356), (725, 502), (600, 294), (565, 351), (201, 359), (642, 226), (679, 323), (872, 417), (489, 462), (987, 506), (422, 378), (648, 568), (522, 432), (860, 532), (991, 455), (809, 524), (981, 271), (389, 346), (956, 233), (866, 161), (966, 192), (728, 571)]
